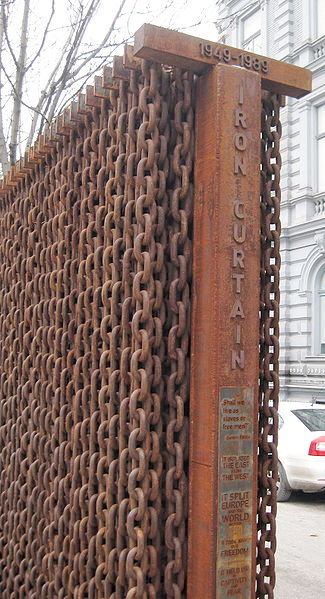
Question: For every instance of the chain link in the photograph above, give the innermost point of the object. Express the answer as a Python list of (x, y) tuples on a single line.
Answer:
[(269, 344), (95, 284), (94, 324), (178, 338)]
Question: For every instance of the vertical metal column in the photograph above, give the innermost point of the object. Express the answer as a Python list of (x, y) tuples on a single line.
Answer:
[(225, 336)]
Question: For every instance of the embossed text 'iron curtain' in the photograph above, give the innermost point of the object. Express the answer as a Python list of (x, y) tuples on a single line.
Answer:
[(239, 231)]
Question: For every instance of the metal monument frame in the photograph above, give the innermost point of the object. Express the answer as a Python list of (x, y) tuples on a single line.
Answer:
[(104, 282), (226, 388)]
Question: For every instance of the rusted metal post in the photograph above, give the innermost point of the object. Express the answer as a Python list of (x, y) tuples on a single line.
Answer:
[(225, 336), (225, 308)]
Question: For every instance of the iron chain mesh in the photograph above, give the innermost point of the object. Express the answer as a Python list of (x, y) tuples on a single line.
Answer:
[(95, 281), (269, 344), (95, 270)]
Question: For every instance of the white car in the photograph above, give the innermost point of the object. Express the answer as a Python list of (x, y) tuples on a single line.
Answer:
[(301, 448)]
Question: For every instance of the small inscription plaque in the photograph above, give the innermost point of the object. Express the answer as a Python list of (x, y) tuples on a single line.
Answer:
[(235, 501)]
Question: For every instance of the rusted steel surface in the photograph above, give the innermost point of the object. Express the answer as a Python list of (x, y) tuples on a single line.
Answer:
[(95, 258), (269, 344), (186, 51), (225, 336), (96, 223)]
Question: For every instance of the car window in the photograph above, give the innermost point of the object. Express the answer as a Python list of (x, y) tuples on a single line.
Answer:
[(314, 420), (280, 420)]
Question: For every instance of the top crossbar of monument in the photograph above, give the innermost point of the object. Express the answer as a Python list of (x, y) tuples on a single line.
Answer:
[(189, 52)]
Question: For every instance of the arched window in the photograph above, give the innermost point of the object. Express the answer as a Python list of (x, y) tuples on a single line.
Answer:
[(321, 303), (312, 290)]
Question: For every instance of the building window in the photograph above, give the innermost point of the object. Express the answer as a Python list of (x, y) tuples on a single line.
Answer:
[(321, 294), (320, 18), (321, 148), (251, 32)]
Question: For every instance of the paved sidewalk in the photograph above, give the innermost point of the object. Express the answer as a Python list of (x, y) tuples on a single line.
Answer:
[(300, 555)]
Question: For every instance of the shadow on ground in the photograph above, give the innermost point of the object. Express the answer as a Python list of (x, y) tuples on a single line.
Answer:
[(300, 497)]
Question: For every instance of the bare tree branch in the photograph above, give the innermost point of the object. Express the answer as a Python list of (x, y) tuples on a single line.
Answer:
[(37, 88), (44, 101), (46, 30), (104, 40), (15, 93), (3, 146), (70, 63), (19, 85), (4, 17)]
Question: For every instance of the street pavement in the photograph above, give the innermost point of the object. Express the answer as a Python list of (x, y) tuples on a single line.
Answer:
[(300, 555)]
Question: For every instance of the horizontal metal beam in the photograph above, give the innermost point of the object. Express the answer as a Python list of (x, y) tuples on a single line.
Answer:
[(189, 52)]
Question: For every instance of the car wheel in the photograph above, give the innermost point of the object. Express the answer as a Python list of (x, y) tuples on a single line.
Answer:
[(284, 491)]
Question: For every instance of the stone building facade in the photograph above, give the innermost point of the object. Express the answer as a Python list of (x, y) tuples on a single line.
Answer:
[(294, 31)]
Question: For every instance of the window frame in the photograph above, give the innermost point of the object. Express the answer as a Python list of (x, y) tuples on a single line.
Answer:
[(321, 315), (317, 20), (246, 42), (319, 136), (317, 293)]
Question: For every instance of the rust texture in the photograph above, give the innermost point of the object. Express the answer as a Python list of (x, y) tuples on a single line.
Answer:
[(198, 55), (269, 344), (96, 223), (95, 277), (225, 334)]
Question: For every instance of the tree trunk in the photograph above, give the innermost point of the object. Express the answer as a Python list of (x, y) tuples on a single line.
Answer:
[(4, 160), (18, 91)]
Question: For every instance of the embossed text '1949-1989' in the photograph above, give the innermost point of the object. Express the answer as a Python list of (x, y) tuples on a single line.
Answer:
[(234, 56)]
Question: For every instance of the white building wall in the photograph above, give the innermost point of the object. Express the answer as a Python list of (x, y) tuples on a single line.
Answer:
[(289, 33)]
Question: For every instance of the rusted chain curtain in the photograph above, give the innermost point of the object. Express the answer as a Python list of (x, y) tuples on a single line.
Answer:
[(269, 343), (95, 274), (94, 291)]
